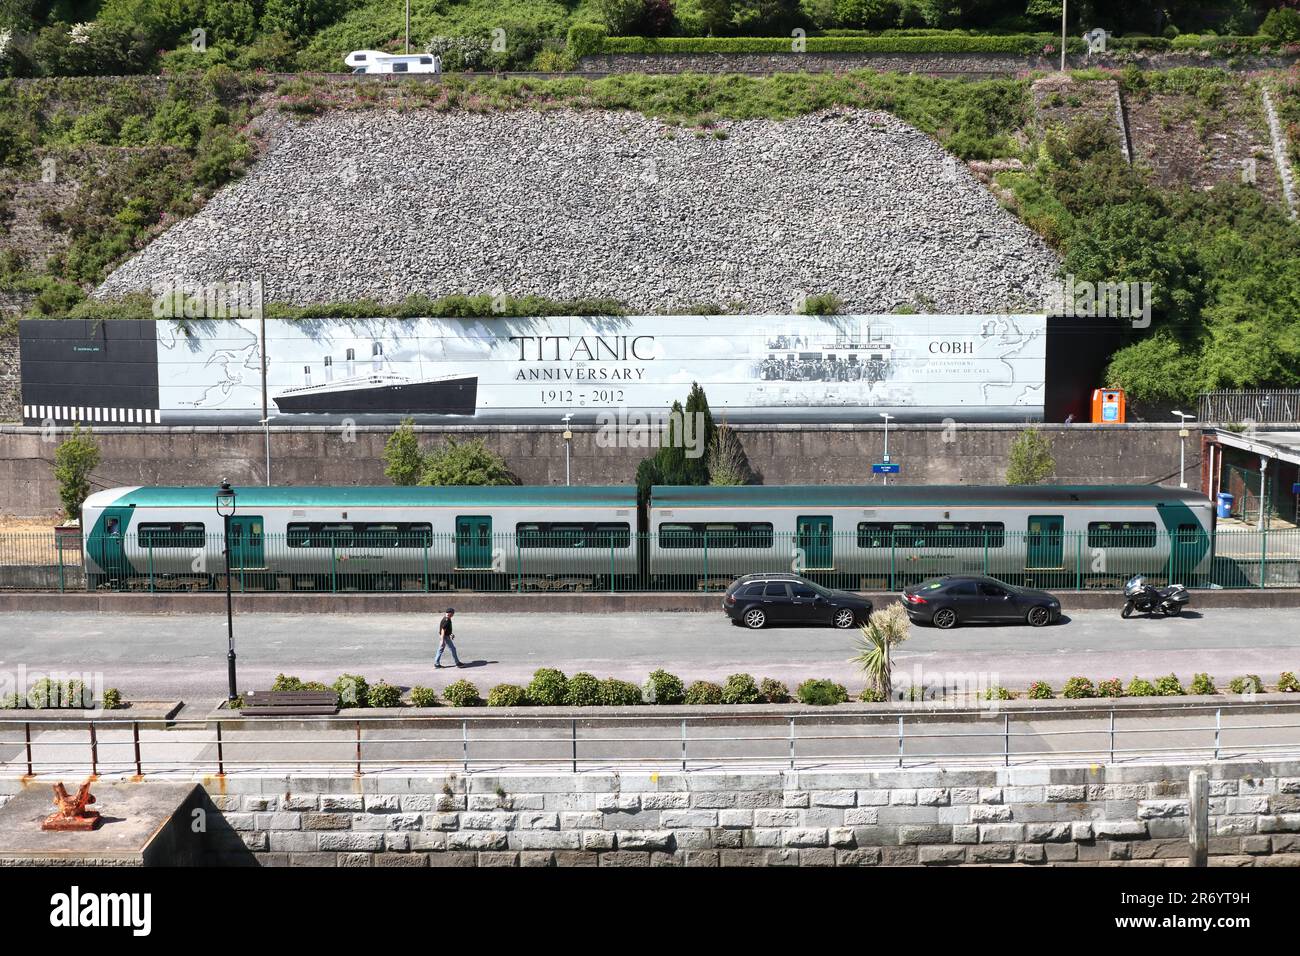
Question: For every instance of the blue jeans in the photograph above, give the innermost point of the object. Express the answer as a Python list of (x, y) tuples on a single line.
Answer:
[(446, 643)]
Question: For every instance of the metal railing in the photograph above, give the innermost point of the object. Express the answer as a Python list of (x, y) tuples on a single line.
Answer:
[(864, 560), (568, 743), (1271, 406)]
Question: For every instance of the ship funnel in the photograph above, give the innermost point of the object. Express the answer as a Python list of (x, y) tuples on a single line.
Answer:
[(306, 375), (352, 361), (377, 356), (329, 369)]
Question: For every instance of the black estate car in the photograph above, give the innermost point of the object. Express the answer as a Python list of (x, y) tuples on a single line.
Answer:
[(971, 598), (757, 600)]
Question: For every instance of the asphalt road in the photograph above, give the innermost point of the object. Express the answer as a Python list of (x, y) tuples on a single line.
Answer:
[(184, 657)]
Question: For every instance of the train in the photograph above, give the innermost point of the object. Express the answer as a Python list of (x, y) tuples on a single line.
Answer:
[(535, 538)]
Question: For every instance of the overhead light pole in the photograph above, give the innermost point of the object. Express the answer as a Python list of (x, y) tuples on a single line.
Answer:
[(1182, 451), (1065, 5), (886, 417), (226, 508)]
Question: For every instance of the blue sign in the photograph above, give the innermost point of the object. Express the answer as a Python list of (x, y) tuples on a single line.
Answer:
[(885, 468)]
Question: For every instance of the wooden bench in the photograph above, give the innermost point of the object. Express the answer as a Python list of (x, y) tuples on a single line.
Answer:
[(290, 703)]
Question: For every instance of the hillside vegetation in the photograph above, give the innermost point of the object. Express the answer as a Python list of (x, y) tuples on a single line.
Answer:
[(102, 37)]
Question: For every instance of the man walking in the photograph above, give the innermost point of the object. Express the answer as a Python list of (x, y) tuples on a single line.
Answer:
[(445, 641)]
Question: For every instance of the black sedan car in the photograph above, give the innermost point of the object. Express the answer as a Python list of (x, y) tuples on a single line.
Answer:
[(757, 600), (974, 599)]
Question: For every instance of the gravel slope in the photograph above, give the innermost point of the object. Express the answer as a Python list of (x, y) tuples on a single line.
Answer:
[(572, 204)]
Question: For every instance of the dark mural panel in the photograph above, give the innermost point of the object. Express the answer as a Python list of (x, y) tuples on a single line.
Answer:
[(78, 370), (1078, 350)]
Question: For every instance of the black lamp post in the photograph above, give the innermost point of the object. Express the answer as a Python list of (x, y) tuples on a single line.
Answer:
[(226, 508)]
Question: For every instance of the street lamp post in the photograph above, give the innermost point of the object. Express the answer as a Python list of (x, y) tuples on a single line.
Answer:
[(568, 438), (886, 417), (226, 508), (1182, 451)]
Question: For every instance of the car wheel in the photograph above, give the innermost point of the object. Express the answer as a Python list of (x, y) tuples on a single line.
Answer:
[(845, 618), (754, 618), (1038, 616), (945, 618)]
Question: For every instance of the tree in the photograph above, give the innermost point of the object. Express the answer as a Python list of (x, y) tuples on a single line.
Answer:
[(465, 463), (403, 460), (74, 460), (698, 427), (727, 462), (1031, 458), (884, 630)]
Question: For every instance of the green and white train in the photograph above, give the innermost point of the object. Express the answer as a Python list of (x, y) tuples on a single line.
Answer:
[(544, 537)]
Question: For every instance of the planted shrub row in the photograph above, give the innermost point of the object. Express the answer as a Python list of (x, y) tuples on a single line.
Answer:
[(48, 694), (1168, 686)]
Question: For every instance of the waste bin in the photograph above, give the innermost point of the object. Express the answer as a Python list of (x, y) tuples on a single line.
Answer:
[(1225, 505)]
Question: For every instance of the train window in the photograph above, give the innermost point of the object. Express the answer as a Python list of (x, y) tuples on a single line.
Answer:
[(399, 67), (378, 534), (1188, 533), (175, 535), (587, 534), (932, 534), (1121, 534), (740, 534)]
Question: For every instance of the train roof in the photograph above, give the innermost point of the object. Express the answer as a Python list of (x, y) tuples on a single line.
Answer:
[(871, 496), (358, 496)]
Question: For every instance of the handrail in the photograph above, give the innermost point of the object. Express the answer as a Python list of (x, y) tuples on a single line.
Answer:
[(575, 751)]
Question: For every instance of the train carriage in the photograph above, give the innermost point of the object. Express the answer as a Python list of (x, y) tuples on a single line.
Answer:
[(869, 537), (364, 538)]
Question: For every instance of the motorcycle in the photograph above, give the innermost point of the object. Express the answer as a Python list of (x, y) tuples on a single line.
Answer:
[(1140, 596)]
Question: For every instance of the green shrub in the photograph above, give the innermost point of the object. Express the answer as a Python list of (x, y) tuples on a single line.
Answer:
[(1250, 684), (424, 697), (76, 694), (774, 691), (704, 692), (353, 690), (741, 689), (44, 694), (999, 693), (12, 702), (827, 304), (112, 699), (1287, 683), (1203, 684), (664, 688), (1110, 688), (548, 687), (586, 39), (583, 690), (1040, 690), (507, 695), (462, 694), (383, 694), (872, 695), (821, 693), (283, 682), (1078, 687), (1140, 687), (619, 693), (1168, 686)]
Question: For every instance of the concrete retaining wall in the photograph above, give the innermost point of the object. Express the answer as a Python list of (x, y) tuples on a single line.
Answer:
[(1075, 816), (781, 455)]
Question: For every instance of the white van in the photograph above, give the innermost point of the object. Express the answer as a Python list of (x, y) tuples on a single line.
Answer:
[(373, 61)]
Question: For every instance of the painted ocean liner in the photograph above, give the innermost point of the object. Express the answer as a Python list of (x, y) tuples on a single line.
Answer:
[(379, 391)]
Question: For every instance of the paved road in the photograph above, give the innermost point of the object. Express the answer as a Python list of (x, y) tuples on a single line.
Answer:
[(185, 656)]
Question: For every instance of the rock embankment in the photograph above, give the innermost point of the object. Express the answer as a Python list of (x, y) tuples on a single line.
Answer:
[(574, 204)]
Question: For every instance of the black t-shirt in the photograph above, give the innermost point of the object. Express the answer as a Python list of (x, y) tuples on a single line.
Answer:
[(444, 626)]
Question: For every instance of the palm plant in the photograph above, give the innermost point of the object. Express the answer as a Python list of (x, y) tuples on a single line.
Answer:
[(884, 630)]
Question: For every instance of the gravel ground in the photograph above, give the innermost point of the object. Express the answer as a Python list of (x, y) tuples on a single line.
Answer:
[(568, 204)]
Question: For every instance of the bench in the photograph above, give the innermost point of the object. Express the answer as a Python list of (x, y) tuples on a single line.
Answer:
[(290, 703)]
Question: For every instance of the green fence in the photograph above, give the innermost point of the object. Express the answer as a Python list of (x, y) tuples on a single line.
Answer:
[(610, 558)]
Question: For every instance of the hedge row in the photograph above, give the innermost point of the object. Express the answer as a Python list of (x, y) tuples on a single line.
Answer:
[(47, 694), (587, 40), (1078, 688)]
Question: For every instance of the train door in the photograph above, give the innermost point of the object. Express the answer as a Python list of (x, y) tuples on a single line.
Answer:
[(246, 543), (814, 537), (1044, 543), (106, 541), (473, 542)]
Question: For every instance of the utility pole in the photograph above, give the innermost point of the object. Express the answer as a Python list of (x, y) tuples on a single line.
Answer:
[(1065, 5), (886, 417), (408, 26), (266, 417)]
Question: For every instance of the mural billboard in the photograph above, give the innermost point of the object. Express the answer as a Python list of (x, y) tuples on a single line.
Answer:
[(755, 368)]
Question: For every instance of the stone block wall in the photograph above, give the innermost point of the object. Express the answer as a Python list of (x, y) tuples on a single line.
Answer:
[(1077, 816)]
